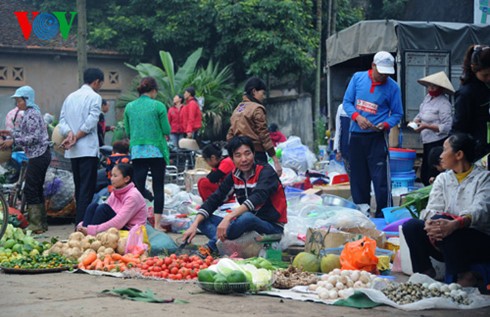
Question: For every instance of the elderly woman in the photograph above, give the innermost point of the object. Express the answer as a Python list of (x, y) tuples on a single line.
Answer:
[(455, 226), (32, 135), (434, 119)]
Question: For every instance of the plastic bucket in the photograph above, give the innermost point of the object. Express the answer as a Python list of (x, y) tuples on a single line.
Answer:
[(397, 214)]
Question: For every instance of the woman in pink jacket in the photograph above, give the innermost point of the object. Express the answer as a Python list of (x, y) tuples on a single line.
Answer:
[(124, 209)]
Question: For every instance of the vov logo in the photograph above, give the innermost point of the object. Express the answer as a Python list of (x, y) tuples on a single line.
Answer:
[(45, 25)]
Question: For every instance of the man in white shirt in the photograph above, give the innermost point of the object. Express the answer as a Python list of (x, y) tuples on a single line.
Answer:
[(78, 124)]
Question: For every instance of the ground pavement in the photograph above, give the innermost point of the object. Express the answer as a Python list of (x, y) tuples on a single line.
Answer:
[(69, 294)]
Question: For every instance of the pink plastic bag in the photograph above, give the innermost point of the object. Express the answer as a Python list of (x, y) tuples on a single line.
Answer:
[(135, 243)]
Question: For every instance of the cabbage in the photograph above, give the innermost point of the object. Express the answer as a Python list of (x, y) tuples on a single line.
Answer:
[(226, 266)]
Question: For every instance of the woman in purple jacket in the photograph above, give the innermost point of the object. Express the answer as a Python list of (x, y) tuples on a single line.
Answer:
[(32, 136)]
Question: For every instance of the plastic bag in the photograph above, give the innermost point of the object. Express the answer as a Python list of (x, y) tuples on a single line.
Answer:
[(359, 255), (243, 247), (296, 156), (160, 242), (135, 244)]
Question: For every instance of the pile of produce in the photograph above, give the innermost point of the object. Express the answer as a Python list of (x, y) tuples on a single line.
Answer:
[(406, 293), (227, 276), (174, 267), (291, 277), (51, 261), (16, 244), (341, 284), (113, 262), (259, 262), (79, 246)]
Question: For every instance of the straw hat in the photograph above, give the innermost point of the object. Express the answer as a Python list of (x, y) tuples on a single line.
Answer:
[(57, 138), (188, 144), (438, 79)]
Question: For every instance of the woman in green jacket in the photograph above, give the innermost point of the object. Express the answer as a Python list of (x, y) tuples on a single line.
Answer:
[(146, 123)]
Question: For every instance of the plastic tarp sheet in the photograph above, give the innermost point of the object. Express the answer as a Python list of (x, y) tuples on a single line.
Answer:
[(369, 37)]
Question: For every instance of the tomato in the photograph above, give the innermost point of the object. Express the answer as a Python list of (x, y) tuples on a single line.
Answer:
[(157, 269), (150, 262), (173, 256), (174, 270), (144, 266), (178, 276), (184, 257), (164, 267), (159, 262), (189, 265), (188, 277), (167, 260)]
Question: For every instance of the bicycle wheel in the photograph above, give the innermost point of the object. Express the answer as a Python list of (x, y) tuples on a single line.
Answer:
[(4, 215)]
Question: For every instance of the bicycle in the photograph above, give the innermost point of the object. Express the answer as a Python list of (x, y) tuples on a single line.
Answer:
[(4, 213)]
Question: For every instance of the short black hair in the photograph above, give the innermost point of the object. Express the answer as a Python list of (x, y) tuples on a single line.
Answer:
[(435, 156), (273, 127), (238, 141), (104, 102), (126, 169), (121, 147), (254, 83), (191, 91), (92, 74), (212, 149), (466, 143)]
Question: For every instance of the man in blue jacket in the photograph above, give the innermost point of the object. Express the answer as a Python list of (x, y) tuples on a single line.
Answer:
[(373, 102)]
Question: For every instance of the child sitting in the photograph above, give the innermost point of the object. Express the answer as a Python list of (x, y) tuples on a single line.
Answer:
[(124, 208)]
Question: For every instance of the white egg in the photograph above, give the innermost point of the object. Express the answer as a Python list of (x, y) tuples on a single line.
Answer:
[(320, 289), (341, 293), (355, 276), (445, 288), (345, 273), (332, 279), (312, 287), (365, 279), (324, 295), (335, 272), (329, 286), (339, 286), (333, 294), (344, 279), (349, 283), (324, 277), (321, 283), (426, 285), (358, 284), (434, 286), (454, 286)]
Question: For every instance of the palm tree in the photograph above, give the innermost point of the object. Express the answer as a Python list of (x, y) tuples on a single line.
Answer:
[(212, 84)]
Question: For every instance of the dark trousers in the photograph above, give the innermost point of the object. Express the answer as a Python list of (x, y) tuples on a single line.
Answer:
[(98, 214), (157, 168), (35, 176), (369, 162), (85, 178), (427, 169), (459, 250)]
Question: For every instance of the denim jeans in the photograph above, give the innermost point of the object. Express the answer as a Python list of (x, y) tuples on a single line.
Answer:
[(244, 223), (98, 214)]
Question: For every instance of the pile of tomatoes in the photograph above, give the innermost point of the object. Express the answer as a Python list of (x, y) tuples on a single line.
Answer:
[(174, 267)]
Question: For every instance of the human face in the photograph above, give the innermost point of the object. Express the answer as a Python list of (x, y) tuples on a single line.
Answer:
[(97, 84), (377, 76), (117, 178), (432, 88), (213, 161), (449, 158), (258, 94), (243, 158), (105, 108), (186, 95), (20, 103), (176, 100), (484, 76)]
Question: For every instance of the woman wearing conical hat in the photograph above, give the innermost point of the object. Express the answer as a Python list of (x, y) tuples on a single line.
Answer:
[(434, 119)]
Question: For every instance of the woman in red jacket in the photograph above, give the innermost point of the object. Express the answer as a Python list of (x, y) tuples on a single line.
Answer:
[(221, 167), (175, 120), (191, 114)]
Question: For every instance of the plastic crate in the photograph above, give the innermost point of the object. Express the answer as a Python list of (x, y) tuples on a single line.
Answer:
[(401, 182), (398, 214)]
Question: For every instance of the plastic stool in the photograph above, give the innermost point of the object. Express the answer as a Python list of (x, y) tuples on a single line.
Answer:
[(270, 243)]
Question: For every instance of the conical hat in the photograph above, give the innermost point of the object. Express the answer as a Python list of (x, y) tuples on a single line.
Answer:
[(188, 144), (57, 138), (438, 79)]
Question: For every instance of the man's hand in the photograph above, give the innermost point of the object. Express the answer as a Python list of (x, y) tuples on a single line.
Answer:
[(364, 123), (189, 234), (69, 141), (222, 227)]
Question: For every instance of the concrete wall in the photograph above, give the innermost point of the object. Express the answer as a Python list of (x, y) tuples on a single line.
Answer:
[(293, 115), (54, 76)]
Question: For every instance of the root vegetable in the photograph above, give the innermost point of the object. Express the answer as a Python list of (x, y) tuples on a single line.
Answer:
[(95, 245), (74, 243), (108, 251), (121, 245), (113, 231), (101, 249), (76, 236)]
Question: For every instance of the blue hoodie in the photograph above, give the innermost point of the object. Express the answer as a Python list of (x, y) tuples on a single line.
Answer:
[(28, 93)]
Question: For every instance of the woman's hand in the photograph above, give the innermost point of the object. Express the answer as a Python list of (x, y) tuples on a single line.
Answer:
[(82, 230), (6, 144), (222, 227), (422, 126), (439, 229)]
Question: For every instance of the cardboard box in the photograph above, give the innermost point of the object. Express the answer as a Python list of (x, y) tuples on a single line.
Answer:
[(337, 190), (319, 239)]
